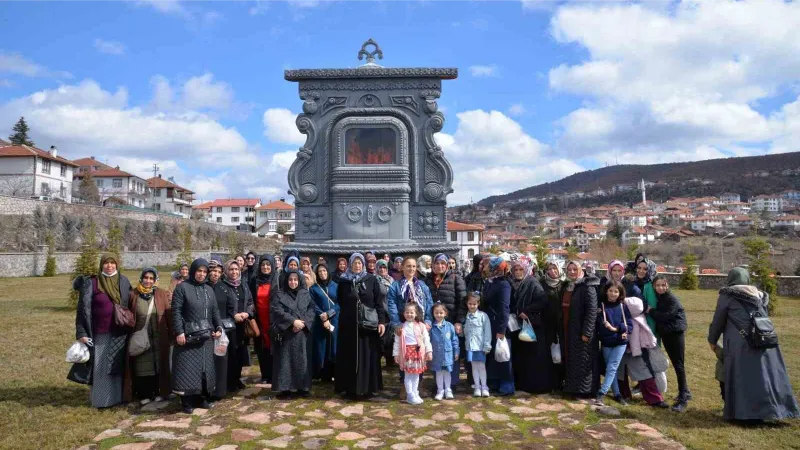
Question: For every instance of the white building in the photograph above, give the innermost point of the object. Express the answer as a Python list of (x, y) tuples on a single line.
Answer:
[(235, 212), (167, 196), (28, 171), (769, 203), (468, 237), (275, 219), (701, 223), (632, 219), (638, 235), (118, 186), (786, 221)]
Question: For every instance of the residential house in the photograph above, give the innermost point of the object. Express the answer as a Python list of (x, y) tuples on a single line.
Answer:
[(117, 186), (27, 171), (275, 218), (235, 212), (89, 164), (202, 211), (631, 219), (730, 197), (738, 207), (638, 235), (677, 235), (702, 223), (469, 239), (769, 203), (786, 221), (169, 197), (556, 244), (585, 233)]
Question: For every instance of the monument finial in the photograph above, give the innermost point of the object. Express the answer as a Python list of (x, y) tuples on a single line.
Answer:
[(370, 55)]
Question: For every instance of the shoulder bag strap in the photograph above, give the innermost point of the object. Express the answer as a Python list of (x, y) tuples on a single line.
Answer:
[(149, 311)]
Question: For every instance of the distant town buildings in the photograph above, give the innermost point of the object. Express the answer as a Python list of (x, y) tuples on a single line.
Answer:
[(32, 172)]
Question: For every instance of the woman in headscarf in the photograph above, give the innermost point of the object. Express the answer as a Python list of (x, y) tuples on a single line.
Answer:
[(261, 291), (292, 263), (757, 386), (178, 277), (387, 341), (643, 279), (326, 324), (474, 280), (250, 269), (553, 285), (151, 368), (195, 320), (341, 267), (531, 361), (616, 272), (447, 287), (579, 306), (396, 271), (497, 305), (358, 356), (238, 355), (94, 322), (424, 265), (291, 315), (372, 264), (305, 265), (226, 304)]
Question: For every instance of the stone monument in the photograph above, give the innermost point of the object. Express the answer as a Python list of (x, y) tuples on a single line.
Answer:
[(370, 175)]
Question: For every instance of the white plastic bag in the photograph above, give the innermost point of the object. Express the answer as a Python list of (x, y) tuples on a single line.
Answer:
[(513, 323), (501, 351), (79, 352), (661, 382), (221, 345), (527, 334), (555, 352)]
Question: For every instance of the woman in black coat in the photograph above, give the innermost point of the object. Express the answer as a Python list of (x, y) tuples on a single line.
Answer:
[(291, 316), (358, 353), (194, 307), (239, 292), (553, 285), (579, 303), (227, 309), (94, 321), (448, 288)]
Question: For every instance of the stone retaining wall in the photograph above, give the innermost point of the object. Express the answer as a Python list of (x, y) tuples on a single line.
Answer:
[(787, 286)]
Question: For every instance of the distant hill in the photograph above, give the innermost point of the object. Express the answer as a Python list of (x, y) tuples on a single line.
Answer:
[(747, 176)]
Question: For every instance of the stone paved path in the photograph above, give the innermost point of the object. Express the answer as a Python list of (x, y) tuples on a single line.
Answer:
[(254, 419)]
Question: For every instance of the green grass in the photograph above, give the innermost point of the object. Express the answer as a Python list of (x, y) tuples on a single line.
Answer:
[(41, 409)]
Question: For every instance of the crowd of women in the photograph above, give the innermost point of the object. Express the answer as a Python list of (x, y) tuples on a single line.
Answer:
[(511, 326)]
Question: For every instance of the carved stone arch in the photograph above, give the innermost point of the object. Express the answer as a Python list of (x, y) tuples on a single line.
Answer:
[(303, 192), (436, 190)]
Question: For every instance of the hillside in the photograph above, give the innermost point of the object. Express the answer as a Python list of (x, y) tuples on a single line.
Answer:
[(746, 176)]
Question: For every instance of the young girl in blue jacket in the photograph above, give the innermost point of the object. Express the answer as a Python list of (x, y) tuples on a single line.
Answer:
[(445, 351), (478, 342), (614, 323)]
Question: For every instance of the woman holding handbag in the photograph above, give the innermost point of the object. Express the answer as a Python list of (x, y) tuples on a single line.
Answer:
[(238, 355), (103, 315), (196, 321), (497, 304), (227, 309), (326, 324), (148, 345)]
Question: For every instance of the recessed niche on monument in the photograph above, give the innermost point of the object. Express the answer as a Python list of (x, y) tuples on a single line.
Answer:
[(370, 175)]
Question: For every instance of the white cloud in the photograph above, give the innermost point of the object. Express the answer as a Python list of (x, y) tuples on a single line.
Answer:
[(198, 93), (6, 83), (678, 80), (109, 47), (16, 64), (279, 127), (203, 92), (517, 109), (484, 71)]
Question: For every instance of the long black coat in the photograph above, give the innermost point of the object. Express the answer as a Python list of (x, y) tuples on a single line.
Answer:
[(581, 356), (291, 368), (531, 361), (358, 353), (452, 293), (191, 363)]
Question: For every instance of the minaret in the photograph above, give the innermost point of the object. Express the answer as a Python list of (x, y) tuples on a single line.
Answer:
[(644, 195)]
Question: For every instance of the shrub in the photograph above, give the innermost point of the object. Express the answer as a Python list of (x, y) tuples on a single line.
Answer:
[(689, 279), (757, 250), (87, 263), (50, 266)]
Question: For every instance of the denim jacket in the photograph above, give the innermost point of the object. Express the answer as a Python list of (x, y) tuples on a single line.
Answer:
[(477, 332)]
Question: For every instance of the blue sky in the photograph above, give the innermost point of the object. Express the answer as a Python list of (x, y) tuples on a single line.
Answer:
[(545, 88)]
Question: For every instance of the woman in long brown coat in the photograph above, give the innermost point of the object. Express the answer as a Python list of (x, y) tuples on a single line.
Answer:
[(149, 371)]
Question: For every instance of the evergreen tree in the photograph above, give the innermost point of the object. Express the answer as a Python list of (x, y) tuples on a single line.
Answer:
[(39, 222), (115, 240), (541, 251), (69, 232), (217, 243), (689, 280), (615, 231), (235, 245), (20, 135), (185, 256), (51, 217), (572, 251), (87, 190), (757, 250), (631, 251), (50, 266), (87, 263)]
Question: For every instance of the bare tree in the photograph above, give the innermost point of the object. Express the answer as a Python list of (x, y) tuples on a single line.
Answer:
[(17, 186)]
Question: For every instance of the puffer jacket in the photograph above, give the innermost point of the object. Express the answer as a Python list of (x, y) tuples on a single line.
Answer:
[(669, 314), (452, 293)]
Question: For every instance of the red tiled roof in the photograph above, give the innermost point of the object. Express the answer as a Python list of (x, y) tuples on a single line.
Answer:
[(89, 162), (206, 205), (277, 204), (158, 182), (106, 173), (223, 202), (457, 226), (24, 150)]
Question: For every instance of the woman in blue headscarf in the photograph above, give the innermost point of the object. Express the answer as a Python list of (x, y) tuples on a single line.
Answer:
[(358, 353)]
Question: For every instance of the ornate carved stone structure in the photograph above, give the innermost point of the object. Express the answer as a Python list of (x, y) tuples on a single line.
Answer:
[(370, 175)]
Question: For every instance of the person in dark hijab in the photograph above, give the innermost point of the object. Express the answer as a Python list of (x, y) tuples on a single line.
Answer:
[(226, 303), (291, 318), (396, 271), (238, 356), (341, 268), (326, 323), (178, 277), (251, 267), (261, 289)]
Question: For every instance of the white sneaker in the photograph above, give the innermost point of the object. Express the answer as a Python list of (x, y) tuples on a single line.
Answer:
[(439, 395), (477, 392), (448, 394), (410, 399), (484, 392), (417, 400), (159, 399), (144, 401)]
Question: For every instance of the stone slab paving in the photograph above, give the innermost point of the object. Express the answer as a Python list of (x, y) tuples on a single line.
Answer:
[(254, 419)]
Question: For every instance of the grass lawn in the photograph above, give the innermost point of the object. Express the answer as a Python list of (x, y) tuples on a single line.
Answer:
[(41, 409)]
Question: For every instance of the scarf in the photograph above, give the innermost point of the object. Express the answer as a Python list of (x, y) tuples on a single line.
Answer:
[(290, 259), (571, 283), (261, 277), (349, 275), (109, 284), (233, 283), (552, 282), (411, 291), (196, 264), (738, 276), (512, 279), (287, 289), (613, 264), (651, 271), (177, 273), (147, 293), (498, 267), (424, 264), (326, 282)]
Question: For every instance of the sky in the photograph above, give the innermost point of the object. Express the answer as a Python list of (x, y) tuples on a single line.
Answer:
[(545, 89)]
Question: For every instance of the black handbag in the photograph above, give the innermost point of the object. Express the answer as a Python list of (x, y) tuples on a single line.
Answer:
[(761, 331), (228, 324), (197, 332), (367, 317), (81, 372)]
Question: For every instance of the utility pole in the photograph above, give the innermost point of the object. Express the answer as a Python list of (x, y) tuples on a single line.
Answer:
[(155, 174)]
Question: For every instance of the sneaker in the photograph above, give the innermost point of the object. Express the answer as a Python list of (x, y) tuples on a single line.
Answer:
[(477, 393), (598, 401), (448, 394), (204, 404), (680, 406), (686, 396), (410, 399), (159, 399), (439, 395), (660, 405), (144, 401), (416, 400), (485, 392), (619, 399)]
